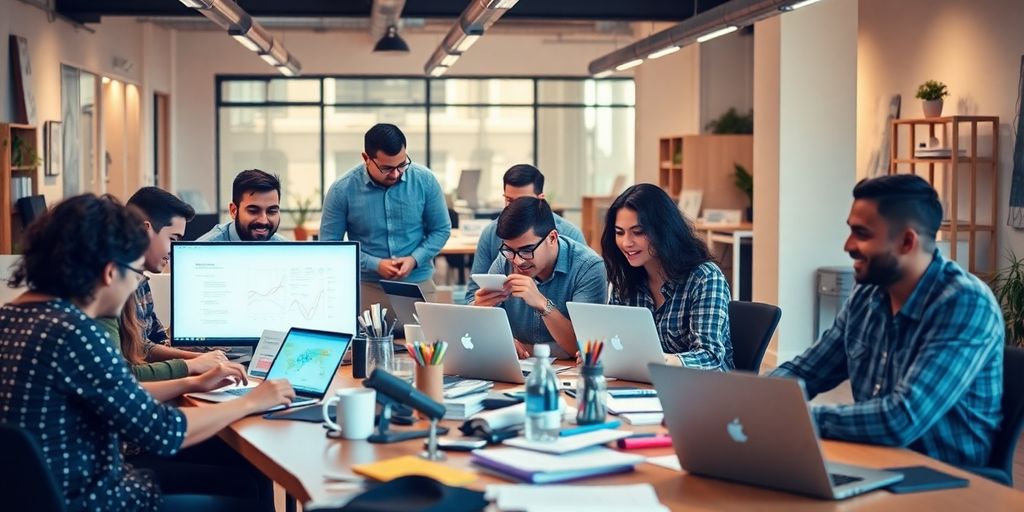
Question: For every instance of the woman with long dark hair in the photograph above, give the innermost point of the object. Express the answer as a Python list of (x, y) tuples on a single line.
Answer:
[(654, 260)]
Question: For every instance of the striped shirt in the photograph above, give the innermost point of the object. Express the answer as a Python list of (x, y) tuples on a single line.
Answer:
[(929, 377), (153, 330), (693, 323)]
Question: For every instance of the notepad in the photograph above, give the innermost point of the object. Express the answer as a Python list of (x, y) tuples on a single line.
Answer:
[(629, 405), (666, 461), (614, 498), (390, 469), (568, 444), (642, 418), (541, 468)]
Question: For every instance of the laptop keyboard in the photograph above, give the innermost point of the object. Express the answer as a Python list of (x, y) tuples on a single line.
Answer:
[(838, 479), (238, 391)]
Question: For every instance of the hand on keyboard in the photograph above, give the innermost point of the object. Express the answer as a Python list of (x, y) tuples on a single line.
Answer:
[(221, 375), (205, 362), (271, 393)]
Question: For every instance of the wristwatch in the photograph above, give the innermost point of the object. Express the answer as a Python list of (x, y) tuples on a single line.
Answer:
[(548, 308)]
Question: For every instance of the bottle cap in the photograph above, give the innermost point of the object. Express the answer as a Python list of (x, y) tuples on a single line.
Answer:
[(541, 350)]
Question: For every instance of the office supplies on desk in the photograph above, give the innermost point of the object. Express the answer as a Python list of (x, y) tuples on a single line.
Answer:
[(923, 479), (640, 443), (355, 408), (310, 414), (464, 407), (642, 418), (591, 386), (584, 429), (614, 498), (666, 461), (633, 405), (540, 468), (571, 443), (390, 469)]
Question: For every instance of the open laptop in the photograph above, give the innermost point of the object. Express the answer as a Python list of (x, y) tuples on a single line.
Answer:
[(755, 430), (403, 298), (480, 343), (308, 359), (630, 337)]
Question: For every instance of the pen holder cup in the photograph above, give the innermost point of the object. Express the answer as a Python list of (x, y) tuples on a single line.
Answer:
[(591, 392), (430, 381), (380, 351)]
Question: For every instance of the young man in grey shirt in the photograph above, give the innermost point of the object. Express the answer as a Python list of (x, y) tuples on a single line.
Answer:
[(545, 270)]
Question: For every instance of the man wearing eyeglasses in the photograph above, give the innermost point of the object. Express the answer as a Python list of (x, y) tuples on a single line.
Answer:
[(545, 270), (396, 211)]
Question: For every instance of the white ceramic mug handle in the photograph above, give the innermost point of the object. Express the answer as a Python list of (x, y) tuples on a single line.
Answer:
[(327, 413)]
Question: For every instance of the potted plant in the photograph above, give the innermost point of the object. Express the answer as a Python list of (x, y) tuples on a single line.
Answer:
[(732, 122), (1009, 288), (300, 214), (745, 182), (931, 94)]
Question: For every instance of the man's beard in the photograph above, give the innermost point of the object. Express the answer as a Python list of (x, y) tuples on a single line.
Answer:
[(882, 270), (245, 232)]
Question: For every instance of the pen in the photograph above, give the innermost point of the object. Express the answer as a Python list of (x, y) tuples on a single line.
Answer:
[(583, 429)]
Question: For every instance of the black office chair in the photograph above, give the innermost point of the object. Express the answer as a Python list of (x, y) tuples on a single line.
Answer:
[(25, 479), (457, 261), (751, 326), (1000, 465)]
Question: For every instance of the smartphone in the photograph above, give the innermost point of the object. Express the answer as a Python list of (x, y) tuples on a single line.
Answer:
[(490, 282), (463, 444)]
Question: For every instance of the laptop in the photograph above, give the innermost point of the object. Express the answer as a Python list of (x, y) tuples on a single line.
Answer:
[(403, 298), (308, 359), (630, 337), (755, 430), (480, 343)]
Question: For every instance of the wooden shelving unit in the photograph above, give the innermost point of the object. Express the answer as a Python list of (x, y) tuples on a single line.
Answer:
[(27, 135), (705, 163), (946, 174), (670, 164)]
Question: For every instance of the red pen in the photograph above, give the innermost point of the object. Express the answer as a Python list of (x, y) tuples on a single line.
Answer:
[(639, 443)]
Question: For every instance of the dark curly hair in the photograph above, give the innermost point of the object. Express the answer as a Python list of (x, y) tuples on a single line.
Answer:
[(671, 238), (68, 247)]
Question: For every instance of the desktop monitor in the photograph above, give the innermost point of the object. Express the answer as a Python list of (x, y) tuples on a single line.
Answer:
[(228, 293), (468, 188)]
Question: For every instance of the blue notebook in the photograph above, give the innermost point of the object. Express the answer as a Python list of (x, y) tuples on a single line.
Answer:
[(542, 468)]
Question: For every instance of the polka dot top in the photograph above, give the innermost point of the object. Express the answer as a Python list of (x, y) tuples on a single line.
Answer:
[(62, 380)]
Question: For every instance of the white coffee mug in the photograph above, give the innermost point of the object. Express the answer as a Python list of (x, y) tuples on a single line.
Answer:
[(413, 333), (355, 412)]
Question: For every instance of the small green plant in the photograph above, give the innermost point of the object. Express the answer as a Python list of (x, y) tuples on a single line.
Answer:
[(932, 90), (23, 154), (744, 181), (1009, 287), (301, 206), (731, 122)]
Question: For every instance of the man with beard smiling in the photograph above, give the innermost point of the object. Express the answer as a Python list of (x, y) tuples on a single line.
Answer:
[(255, 210), (920, 339), (545, 270)]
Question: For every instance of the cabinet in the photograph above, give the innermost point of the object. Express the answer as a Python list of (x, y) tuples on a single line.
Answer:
[(706, 163), (19, 177), (966, 178)]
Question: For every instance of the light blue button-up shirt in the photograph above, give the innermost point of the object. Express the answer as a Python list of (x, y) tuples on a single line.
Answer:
[(579, 276), (489, 244), (409, 218), (227, 232)]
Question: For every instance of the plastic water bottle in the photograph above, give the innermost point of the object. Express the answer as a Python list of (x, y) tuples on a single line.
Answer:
[(543, 411)]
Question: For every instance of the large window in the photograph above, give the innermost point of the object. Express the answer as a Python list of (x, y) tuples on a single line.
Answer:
[(309, 131)]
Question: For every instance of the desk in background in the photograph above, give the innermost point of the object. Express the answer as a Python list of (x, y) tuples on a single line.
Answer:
[(739, 238), (296, 455)]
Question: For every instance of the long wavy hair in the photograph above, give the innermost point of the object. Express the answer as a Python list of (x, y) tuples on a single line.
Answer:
[(132, 347), (671, 239)]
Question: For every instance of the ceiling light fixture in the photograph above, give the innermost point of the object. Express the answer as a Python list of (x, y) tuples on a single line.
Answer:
[(254, 38), (276, 56), (438, 71), (290, 68), (663, 52), (798, 5), (450, 59), (247, 31), (604, 74), (391, 42), (717, 33), (627, 65), (475, 19)]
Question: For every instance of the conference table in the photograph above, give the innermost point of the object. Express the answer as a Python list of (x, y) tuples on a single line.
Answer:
[(297, 455)]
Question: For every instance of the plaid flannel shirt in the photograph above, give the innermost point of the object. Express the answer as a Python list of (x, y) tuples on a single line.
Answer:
[(153, 330)]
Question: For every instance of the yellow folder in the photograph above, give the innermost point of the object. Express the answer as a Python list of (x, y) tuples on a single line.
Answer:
[(390, 469)]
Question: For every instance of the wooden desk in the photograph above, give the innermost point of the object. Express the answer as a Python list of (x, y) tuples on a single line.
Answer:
[(297, 454), (459, 244), (734, 235)]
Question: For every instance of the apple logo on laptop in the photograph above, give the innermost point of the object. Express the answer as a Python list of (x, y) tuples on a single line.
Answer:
[(467, 341), (616, 343), (735, 429)]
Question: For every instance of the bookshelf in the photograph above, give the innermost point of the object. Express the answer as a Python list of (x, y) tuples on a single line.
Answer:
[(967, 180), (19, 177)]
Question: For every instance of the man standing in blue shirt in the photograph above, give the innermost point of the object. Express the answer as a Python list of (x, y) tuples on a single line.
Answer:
[(545, 270), (255, 210), (920, 339), (522, 180), (396, 211)]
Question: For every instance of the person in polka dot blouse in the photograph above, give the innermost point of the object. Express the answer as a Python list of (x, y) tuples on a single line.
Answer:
[(64, 382)]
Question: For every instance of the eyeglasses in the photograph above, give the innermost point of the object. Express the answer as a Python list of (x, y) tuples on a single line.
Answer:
[(387, 169), (142, 277), (525, 253)]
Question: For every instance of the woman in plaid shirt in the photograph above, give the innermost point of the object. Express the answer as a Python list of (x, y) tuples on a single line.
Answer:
[(648, 245)]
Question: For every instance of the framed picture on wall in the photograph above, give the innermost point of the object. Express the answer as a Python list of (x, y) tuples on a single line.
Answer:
[(24, 95), (53, 142)]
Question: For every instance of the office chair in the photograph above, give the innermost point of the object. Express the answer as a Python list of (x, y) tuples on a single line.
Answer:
[(1000, 465), (25, 479), (457, 261), (751, 326)]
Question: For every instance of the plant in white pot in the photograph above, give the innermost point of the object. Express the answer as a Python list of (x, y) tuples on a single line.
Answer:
[(931, 94)]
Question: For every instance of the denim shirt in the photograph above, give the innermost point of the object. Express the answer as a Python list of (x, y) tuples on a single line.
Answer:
[(227, 232), (409, 218)]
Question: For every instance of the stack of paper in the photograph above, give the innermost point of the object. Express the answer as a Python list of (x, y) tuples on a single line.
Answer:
[(631, 405), (552, 498), (455, 387), (540, 468), (464, 407), (642, 418), (566, 444)]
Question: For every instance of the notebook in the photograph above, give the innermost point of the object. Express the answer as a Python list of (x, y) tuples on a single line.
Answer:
[(922, 479), (387, 470), (612, 498), (542, 468), (566, 444)]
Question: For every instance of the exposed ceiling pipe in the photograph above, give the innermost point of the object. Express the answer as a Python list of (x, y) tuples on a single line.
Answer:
[(383, 14), (478, 16), (702, 27)]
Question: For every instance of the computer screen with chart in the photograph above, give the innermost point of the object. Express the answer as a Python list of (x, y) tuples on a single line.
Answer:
[(227, 293)]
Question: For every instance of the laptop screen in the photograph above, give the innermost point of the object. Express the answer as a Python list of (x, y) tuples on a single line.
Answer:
[(308, 360)]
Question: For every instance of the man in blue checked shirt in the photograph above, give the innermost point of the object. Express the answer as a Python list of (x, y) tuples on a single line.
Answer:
[(920, 339), (395, 209)]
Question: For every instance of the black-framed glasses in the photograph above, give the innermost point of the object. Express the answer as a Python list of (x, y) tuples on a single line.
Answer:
[(388, 169), (525, 253), (142, 275)]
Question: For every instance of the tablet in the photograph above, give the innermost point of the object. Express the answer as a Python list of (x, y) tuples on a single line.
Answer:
[(490, 282)]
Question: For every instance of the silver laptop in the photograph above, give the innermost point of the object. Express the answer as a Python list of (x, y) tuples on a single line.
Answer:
[(308, 359), (403, 298), (755, 430), (480, 343), (630, 337)]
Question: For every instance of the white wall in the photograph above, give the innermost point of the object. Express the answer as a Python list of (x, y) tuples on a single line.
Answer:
[(726, 75), (201, 55), (974, 47), (54, 43), (667, 103)]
